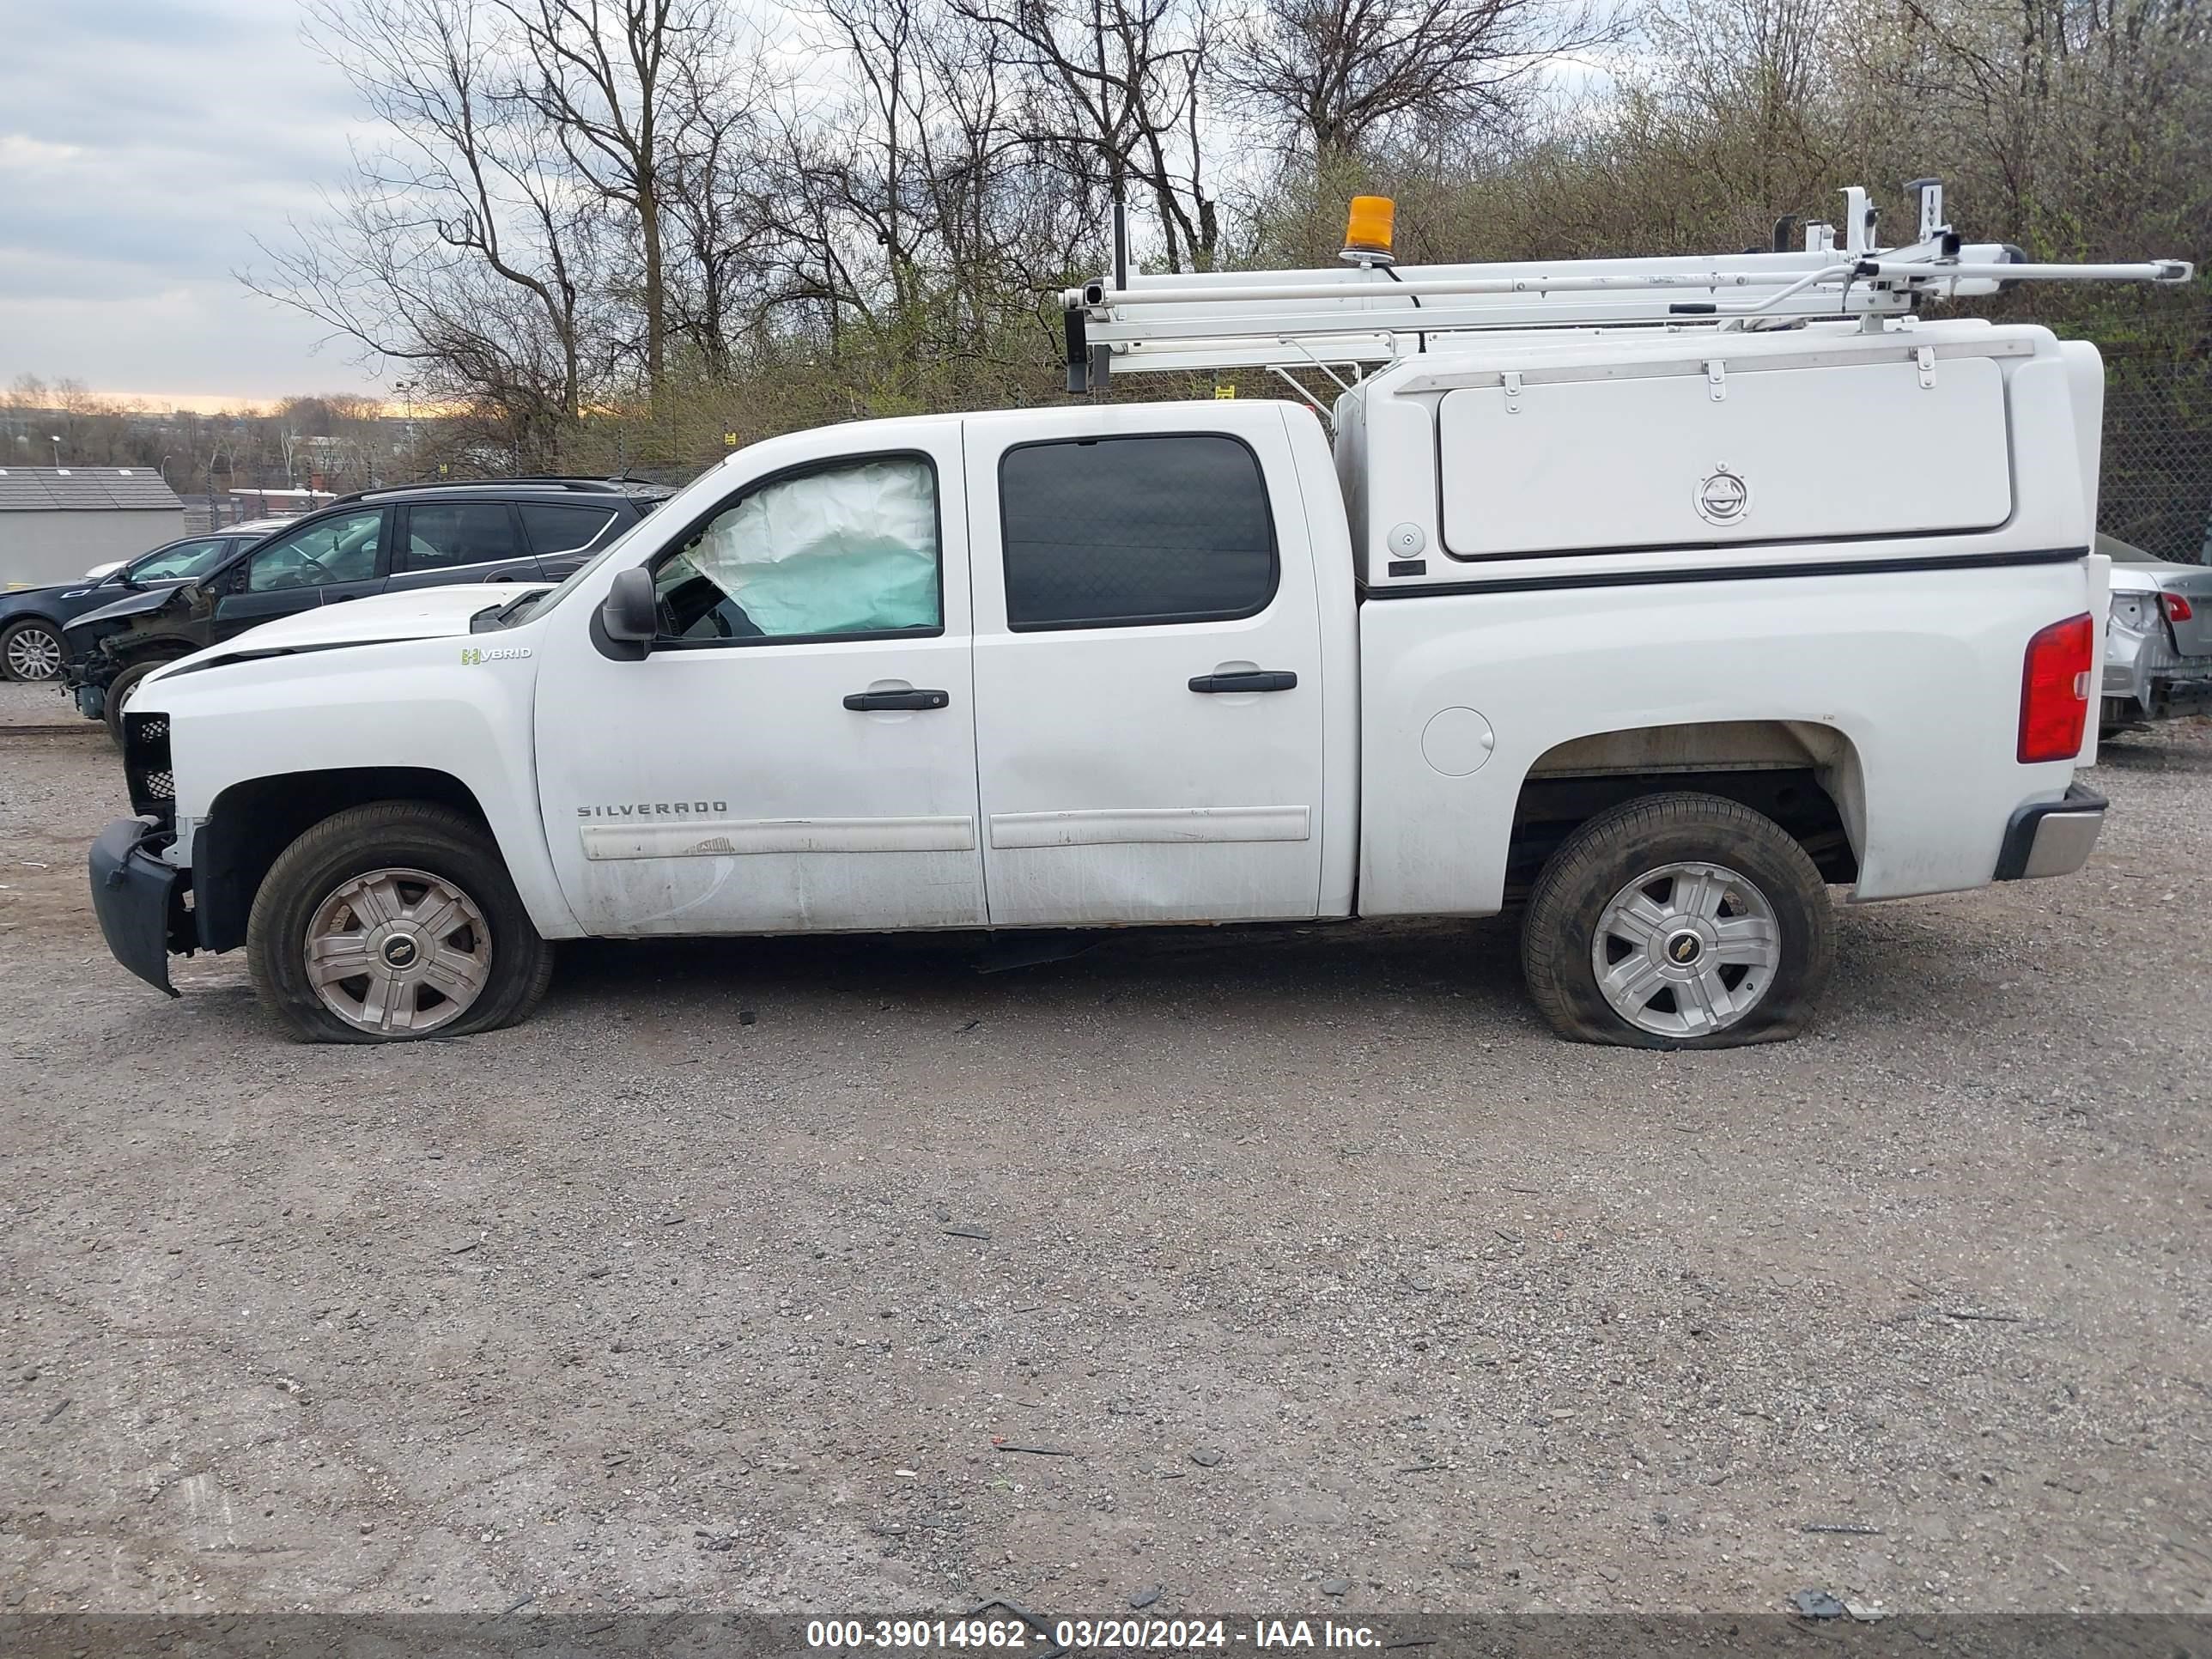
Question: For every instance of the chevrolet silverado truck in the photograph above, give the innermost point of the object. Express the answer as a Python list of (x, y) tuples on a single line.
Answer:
[(1636, 628)]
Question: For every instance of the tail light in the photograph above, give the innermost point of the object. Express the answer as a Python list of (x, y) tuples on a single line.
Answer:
[(2177, 609), (2054, 690)]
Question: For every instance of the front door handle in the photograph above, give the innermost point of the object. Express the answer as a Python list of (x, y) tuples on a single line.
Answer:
[(861, 702), (1252, 679)]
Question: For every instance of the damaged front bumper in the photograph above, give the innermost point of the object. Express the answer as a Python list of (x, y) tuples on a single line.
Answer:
[(140, 901), (2051, 837)]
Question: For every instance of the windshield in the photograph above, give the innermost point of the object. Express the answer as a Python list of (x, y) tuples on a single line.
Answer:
[(183, 561), (674, 507)]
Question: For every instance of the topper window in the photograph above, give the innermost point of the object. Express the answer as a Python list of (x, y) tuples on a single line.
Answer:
[(846, 551)]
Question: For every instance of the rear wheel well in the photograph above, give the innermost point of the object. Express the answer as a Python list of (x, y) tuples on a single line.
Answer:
[(1795, 774), (252, 823)]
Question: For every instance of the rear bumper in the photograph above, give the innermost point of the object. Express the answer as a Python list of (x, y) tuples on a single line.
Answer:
[(2146, 679), (139, 899), (2051, 837)]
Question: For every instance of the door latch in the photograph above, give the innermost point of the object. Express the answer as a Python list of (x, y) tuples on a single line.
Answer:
[(862, 702)]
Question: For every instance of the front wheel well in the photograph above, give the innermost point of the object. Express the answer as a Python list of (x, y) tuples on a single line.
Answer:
[(252, 823)]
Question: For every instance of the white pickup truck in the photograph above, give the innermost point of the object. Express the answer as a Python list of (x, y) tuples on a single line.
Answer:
[(1659, 631)]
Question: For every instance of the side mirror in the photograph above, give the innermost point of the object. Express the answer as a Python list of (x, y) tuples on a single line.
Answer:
[(629, 613)]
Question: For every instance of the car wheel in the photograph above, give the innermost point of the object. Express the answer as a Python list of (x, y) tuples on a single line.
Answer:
[(1678, 921), (393, 921), (32, 650), (119, 690)]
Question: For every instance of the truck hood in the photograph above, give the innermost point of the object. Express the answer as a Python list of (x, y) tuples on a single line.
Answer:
[(426, 614)]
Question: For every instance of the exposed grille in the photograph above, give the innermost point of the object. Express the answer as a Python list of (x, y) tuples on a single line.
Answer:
[(146, 767)]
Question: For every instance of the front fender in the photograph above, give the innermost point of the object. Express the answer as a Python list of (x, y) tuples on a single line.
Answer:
[(428, 705)]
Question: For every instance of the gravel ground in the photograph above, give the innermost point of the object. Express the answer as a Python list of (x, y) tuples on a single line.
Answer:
[(1285, 1273)]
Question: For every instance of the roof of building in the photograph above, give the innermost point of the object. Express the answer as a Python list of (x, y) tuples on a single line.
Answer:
[(85, 489)]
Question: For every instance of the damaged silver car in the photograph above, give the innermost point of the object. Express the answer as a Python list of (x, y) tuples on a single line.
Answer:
[(2158, 647)]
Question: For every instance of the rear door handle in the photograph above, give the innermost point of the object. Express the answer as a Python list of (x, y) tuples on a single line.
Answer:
[(1256, 679), (861, 702)]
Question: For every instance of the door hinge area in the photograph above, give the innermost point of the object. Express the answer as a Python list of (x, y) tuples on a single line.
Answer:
[(1925, 356), (1512, 382), (1717, 380)]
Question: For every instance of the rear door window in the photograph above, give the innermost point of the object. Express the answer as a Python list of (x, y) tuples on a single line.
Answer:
[(1116, 533), (554, 528), (452, 535)]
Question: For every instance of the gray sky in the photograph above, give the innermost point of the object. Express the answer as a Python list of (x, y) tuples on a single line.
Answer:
[(143, 144)]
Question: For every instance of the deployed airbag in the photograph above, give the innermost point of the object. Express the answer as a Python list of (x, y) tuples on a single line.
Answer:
[(848, 552)]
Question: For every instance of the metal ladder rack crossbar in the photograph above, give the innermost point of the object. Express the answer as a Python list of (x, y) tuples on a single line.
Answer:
[(1370, 312)]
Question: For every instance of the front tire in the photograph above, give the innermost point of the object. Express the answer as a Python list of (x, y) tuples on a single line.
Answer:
[(1678, 921), (31, 651), (119, 690), (390, 922)]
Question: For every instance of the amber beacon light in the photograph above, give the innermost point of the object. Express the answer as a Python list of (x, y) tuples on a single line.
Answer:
[(1367, 231)]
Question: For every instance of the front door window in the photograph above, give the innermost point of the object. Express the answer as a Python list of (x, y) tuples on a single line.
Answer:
[(338, 549), (846, 552)]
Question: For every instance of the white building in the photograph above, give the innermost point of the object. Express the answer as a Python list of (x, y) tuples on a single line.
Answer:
[(57, 521)]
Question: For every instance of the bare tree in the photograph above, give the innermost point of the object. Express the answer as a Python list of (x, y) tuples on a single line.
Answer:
[(1334, 77), (457, 249), (602, 79), (717, 147), (1118, 89)]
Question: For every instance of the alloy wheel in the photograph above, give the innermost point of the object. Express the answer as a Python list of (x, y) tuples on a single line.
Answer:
[(34, 653), (1686, 950), (395, 951)]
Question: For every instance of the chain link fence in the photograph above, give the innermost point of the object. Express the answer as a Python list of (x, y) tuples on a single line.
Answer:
[(2156, 490), (2157, 484)]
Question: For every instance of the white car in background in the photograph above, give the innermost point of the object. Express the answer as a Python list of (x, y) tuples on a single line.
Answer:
[(252, 527), (2158, 644)]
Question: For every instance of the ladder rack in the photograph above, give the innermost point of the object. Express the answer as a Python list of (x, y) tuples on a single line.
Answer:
[(1371, 312)]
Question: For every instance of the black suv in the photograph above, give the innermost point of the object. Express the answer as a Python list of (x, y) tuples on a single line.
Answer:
[(31, 618), (381, 541)]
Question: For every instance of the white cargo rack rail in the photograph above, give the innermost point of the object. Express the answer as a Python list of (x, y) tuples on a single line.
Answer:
[(1369, 311)]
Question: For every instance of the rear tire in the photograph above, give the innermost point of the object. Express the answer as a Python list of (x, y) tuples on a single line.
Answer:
[(31, 651), (1679, 921), (417, 898)]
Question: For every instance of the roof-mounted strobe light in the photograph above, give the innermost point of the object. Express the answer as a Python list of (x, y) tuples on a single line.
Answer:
[(1367, 231)]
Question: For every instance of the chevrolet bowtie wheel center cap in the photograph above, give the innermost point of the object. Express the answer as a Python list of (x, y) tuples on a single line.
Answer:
[(397, 951), (1686, 948)]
